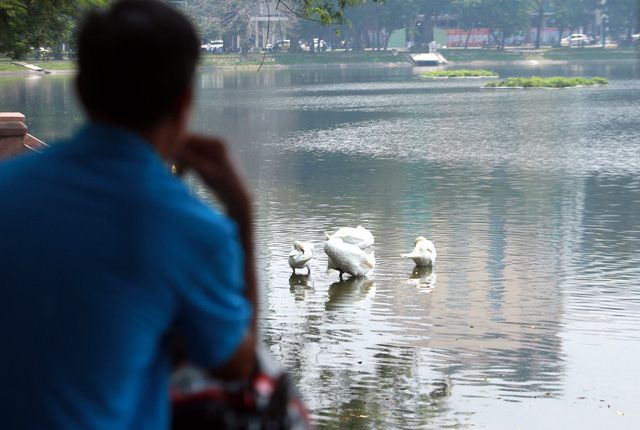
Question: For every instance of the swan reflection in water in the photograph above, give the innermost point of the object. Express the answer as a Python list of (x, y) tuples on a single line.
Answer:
[(299, 285), (424, 278), (349, 291)]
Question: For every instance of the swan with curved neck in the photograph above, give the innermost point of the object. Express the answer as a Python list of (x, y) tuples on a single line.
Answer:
[(424, 252), (359, 236), (348, 258), (300, 256)]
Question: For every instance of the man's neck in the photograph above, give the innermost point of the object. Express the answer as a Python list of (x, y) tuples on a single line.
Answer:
[(166, 137)]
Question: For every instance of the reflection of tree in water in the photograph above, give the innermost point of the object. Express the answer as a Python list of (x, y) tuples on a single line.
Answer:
[(289, 339), (348, 291), (299, 285), (394, 397), (534, 366), (424, 278)]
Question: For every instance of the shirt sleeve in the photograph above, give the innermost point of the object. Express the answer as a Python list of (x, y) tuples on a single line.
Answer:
[(213, 312)]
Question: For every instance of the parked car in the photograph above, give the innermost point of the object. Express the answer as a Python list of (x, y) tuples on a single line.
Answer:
[(576, 39), (280, 46), (42, 53), (318, 45), (213, 47)]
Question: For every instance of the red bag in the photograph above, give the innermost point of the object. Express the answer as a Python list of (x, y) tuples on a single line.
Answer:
[(268, 401)]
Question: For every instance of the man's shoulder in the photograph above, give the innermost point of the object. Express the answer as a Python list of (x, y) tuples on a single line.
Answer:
[(188, 212), (17, 172)]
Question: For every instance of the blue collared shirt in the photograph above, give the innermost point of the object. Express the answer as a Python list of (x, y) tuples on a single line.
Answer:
[(102, 252)]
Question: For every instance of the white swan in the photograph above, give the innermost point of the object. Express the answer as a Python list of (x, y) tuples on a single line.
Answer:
[(347, 258), (359, 236), (423, 254), (300, 255)]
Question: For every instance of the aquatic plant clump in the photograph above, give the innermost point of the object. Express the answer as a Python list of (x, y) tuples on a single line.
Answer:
[(464, 73), (536, 82)]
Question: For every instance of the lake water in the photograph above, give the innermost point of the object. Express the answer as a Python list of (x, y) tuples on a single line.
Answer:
[(530, 318)]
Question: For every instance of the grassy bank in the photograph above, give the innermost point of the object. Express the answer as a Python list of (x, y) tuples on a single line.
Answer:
[(253, 60), (6, 66), (587, 53), (355, 58), (464, 73), (56, 65), (302, 59)]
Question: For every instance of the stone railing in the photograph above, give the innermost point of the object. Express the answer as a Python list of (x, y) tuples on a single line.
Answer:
[(14, 138)]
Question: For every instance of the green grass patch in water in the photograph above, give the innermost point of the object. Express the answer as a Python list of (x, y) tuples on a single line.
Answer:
[(536, 82)]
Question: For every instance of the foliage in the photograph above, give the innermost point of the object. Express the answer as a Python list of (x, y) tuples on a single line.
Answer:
[(470, 13), (10, 10), (573, 14), (623, 14), (35, 24), (227, 18), (458, 73), (508, 16), (206, 16), (326, 12), (536, 82), (27, 24), (378, 19), (429, 9)]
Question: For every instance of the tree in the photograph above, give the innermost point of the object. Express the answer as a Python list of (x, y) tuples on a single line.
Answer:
[(206, 17), (509, 16), (623, 16), (223, 19), (326, 12), (30, 24), (429, 9), (470, 15), (227, 17), (540, 8), (26, 24), (396, 15), (573, 14)]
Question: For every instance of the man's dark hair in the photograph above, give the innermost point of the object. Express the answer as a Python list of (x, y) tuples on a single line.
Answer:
[(134, 61)]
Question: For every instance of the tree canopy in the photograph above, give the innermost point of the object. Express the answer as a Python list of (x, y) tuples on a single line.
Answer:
[(27, 24), (327, 12), (31, 24)]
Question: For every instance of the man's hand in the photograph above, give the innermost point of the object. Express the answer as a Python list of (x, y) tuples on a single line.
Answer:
[(209, 157)]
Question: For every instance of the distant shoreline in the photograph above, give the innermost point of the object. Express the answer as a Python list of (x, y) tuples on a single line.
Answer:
[(354, 59)]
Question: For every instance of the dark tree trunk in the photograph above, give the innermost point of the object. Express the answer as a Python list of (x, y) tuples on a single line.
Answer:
[(540, 18), (466, 42)]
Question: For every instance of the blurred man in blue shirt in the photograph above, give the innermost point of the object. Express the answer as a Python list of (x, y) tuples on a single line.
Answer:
[(105, 253)]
